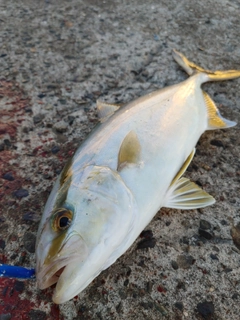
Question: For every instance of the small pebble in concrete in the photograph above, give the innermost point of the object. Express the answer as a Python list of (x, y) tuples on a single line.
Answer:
[(37, 315), (149, 286), (31, 216), (71, 120), (38, 118), (174, 265), (126, 282), (179, 306), (184, 240), (205, 309), (41, 95), (148, 234), (161, 309), (185, 261), (214, 256), (235, 296), (2, 244), (5, 316), (55, 149), (205, 225), (21, 193), (119, 307), (147, 305), (7, 142), (129, 272), (29, 242), (146, 243), (205, 234), (8, 176), (181, 285), (235, 233), (19, 286), (61, 126), (216, 143), (224, 223), (28, 110)]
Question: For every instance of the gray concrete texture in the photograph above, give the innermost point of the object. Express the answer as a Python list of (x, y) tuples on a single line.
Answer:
[(56, 59)]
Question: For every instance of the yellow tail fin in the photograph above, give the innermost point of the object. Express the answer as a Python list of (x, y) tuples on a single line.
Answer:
[(215, 120), (192, 68)]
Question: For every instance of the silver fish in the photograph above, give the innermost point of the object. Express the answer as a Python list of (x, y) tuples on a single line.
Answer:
[(129, 167)]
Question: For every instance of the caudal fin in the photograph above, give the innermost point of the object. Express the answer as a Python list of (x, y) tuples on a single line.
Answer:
[(192, 68), (215, 120)]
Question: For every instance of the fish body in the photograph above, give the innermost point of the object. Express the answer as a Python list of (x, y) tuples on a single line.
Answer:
[(129, 167)]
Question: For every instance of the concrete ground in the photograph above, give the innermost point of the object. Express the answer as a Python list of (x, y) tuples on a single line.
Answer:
[(56, 59)]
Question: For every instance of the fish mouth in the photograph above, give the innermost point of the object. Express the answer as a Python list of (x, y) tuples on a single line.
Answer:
[(73, 252), (50, 274)]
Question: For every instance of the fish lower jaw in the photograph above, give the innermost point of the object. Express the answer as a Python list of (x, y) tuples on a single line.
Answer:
[(77, 275), (69, 285), (47, 275), (48, 279)]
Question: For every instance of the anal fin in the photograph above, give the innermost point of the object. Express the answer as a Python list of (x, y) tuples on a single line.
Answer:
[(184, 194), (184, 166), (215, 120)]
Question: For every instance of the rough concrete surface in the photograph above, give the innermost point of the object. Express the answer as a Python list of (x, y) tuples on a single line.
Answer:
[(56, 59)]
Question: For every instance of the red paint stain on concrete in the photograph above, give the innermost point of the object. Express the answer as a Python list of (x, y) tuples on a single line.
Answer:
[(21, 308)]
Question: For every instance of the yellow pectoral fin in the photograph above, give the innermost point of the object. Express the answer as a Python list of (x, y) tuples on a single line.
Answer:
[(215, 120), (184, 194), (129, 151)]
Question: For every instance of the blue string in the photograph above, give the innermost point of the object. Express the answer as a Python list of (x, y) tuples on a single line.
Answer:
[(16, 272)]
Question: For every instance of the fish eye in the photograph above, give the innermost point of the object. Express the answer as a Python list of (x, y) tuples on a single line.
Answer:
[(62, 219)]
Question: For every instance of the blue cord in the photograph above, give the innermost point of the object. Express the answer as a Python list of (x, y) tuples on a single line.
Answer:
[(16, 272)]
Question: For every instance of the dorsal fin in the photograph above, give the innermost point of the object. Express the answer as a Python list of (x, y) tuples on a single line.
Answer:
[(105, 110), (129, 151), (215, 120)]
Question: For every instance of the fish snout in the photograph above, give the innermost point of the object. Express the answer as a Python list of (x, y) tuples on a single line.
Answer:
[(51, 263)]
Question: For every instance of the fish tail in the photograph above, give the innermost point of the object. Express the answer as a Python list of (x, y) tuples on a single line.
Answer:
[(215, 120), (191, 68)]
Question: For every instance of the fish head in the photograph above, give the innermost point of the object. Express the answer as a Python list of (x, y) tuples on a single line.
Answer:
[(84, 228)]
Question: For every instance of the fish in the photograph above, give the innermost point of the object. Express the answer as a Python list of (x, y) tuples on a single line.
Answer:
[(130, 166)]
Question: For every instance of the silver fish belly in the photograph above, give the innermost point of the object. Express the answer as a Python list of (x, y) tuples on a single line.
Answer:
[(129, 167)]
